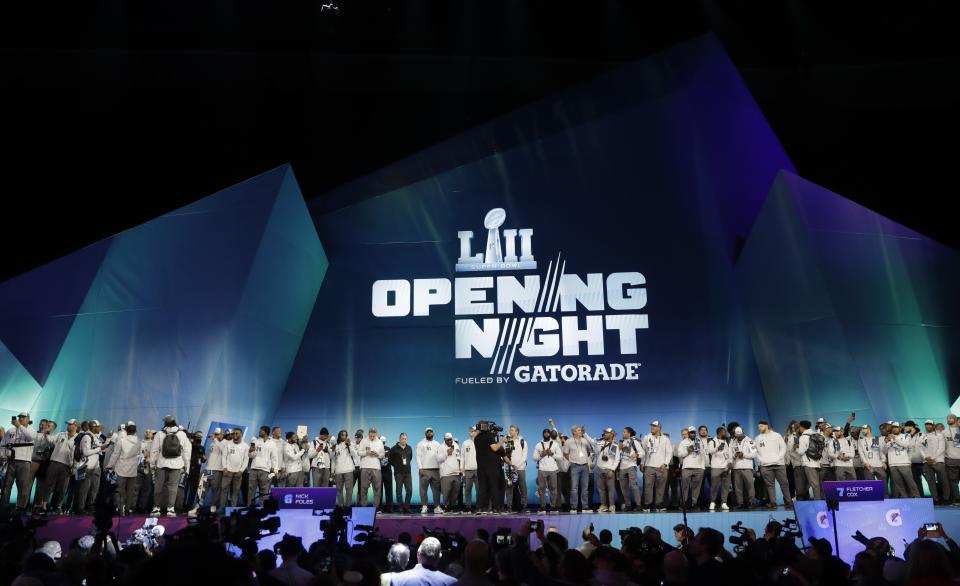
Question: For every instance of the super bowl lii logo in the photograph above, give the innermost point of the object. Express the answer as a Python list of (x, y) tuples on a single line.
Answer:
[(519, 322)]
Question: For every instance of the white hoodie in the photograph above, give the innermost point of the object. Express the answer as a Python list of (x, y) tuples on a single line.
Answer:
[(234, 456), (374, 445), (610, 449), (125, 457), (898, 450), (771, 449), (658, 450), (843, 445), (548, 463), (745, 446), (932, 445), (214, 459), (629, 448), (449, 463), (92, 448), (719, 452), (804, 445), (344, 458), (292, 454), (63, 445), (468, 455), (952, 436), (873, 451), (264, 456), (156, 452), (691, 459), (426, 452)]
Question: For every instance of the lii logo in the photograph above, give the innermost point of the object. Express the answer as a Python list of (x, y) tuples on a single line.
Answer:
[(494, 259), (527, 317)]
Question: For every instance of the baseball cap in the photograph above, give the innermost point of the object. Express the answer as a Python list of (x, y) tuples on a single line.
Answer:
[(821, 420), (134, 424), (864, 426), (448, 435), (608, 430), (655, 422), (217, 430), (71, 421), (738, 431), (427, 429), (927, 422), (52, 549), (895, 424), (691, 428), (473, 428), (23, 414), (94, 422), (837, 428)]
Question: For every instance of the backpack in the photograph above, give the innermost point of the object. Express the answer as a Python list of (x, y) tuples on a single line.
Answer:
[(78, 447), (815, 449), (171, 448)]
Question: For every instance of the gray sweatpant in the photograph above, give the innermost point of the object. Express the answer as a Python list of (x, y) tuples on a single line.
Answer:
[(450, 488), (691, 480), (127, 493), (743, 486), (165, 487), (719, 484), (469, 482), (257, 480), (87, 490), (953, 475), (18, 471), (293, 479), (901, 479), (320, 477), (628, 486), (370, 478), (229, 490), (877, 473), (215, 481), (844, 473), (778, 473), (654, 487), (808, 478), (430, 477), (607, 486), (936, 475), (58, 480), (344, 482), (549, 495)]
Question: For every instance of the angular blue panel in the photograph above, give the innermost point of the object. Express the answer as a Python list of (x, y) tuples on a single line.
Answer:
[(848, 307), (18, 389), (38, 307)]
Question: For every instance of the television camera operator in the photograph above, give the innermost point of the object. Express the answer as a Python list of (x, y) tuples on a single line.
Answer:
[(491, 454)]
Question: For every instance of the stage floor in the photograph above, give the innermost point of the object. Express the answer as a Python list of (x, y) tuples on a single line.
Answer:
[(66, 528)]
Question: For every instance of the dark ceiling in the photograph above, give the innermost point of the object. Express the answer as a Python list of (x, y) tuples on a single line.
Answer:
[(116, 114)]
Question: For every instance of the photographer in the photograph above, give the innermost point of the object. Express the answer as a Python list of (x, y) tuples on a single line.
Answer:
[(18, 461), (491, 453)]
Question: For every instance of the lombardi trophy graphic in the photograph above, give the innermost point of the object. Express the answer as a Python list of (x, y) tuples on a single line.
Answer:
[(493, 257)]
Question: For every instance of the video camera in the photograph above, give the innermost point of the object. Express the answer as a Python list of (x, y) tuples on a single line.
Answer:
[(490, 426), (453, 542), (742, 539), (877, 544), (791, 529), (252, 523)]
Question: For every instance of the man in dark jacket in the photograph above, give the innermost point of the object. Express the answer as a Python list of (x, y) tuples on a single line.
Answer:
[(400, 456)]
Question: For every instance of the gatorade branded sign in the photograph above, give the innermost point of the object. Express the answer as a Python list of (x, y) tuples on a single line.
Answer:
[(516, 313)]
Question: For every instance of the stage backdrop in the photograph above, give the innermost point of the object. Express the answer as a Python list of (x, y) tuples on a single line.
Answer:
[(608, 257)]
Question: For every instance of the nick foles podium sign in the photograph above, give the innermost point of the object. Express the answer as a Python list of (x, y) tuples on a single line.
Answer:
[(305, 498)]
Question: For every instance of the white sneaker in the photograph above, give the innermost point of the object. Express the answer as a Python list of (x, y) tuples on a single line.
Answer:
[(155, 512), (438, 510), (192, 513), (713, 506), (171, 512), (423, 510), (724, 506)]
